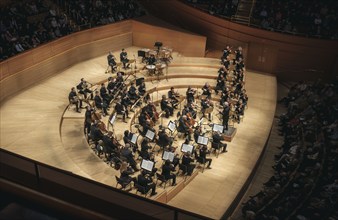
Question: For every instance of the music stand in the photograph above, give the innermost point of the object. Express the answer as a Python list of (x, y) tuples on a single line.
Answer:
[(133, 138), (147, 165), (112, 120), (187, 148), (150, 135), (167, 155), (172, 126), (202, 140), (217, 127)]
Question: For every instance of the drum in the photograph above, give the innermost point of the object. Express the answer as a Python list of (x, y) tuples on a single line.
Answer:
[(151, 69)]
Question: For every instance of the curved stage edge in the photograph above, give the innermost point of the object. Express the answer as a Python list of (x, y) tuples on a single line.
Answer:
[(30, 123)]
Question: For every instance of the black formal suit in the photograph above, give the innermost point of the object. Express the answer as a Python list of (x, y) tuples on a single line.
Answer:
[(166, 172), (226, 113), (147, 183), (216, 142), (187, 162)]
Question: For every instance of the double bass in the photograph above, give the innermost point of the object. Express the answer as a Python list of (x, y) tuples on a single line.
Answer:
[(96, 116)]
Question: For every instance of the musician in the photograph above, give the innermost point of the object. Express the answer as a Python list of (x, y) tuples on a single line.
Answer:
[(124, 59), (95, 133), (225, 114), (101, 104), (239, 110), (111, 61), (151, 60), (206, 104), (88, 119), (111, 86), (125, 100), (197, 133), (142, 89), (145, 122), (74, 99), (206, 90), (239, 54), (126, 171), (121, 110), (164, 140), (166, 107), (144, 180), (145, 147), (132, 92), (108, 142), (226, 62), (104, 93), (226, 52), (190, 94), (166, 172), (150, 109), (82, 87), (203, 154), (216, 142), (189, 110), (172, 95), (128, 155), (187, 161), (220, 85), (184, 126)]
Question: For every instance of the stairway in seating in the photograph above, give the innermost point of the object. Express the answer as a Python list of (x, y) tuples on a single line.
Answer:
[(244, 11)]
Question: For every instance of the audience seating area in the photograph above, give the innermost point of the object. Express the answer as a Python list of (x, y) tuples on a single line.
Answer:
[(26, 25), (310, 18), (304, 185)]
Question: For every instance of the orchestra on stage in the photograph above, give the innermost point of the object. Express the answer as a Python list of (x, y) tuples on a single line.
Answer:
[(183, 129)]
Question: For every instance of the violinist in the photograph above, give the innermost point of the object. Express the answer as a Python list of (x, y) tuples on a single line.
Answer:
[(172, 95), (206, 104), (197, 133), (216, 142), (82, 87), (74, 99), (121, 110), (206, 90), (188, 162), (167, 168), (164, 140), (111, 61), (145, 147), (124, 59), (190, 94), (146, 181), (166, 107), (203, 154), (101, 104), (220, 85)]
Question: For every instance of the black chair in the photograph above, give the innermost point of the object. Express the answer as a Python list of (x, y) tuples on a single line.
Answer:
[(184, 170), (122, 183), (216, 147), (161, 178), (141, 189), (200, 161)]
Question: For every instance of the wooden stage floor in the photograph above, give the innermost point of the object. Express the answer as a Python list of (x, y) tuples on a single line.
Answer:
[(33, 125)]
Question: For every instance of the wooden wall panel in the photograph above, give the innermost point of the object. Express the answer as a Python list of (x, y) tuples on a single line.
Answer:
[(145, 35), (54, 64), (221, 32)]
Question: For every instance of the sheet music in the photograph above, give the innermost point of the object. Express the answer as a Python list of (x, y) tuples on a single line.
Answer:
[(147, 165), (172, 126), (150, 135), (167, 155), (202, 140), (187, 148), (218, 127), (133, 139), (112, 120)]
